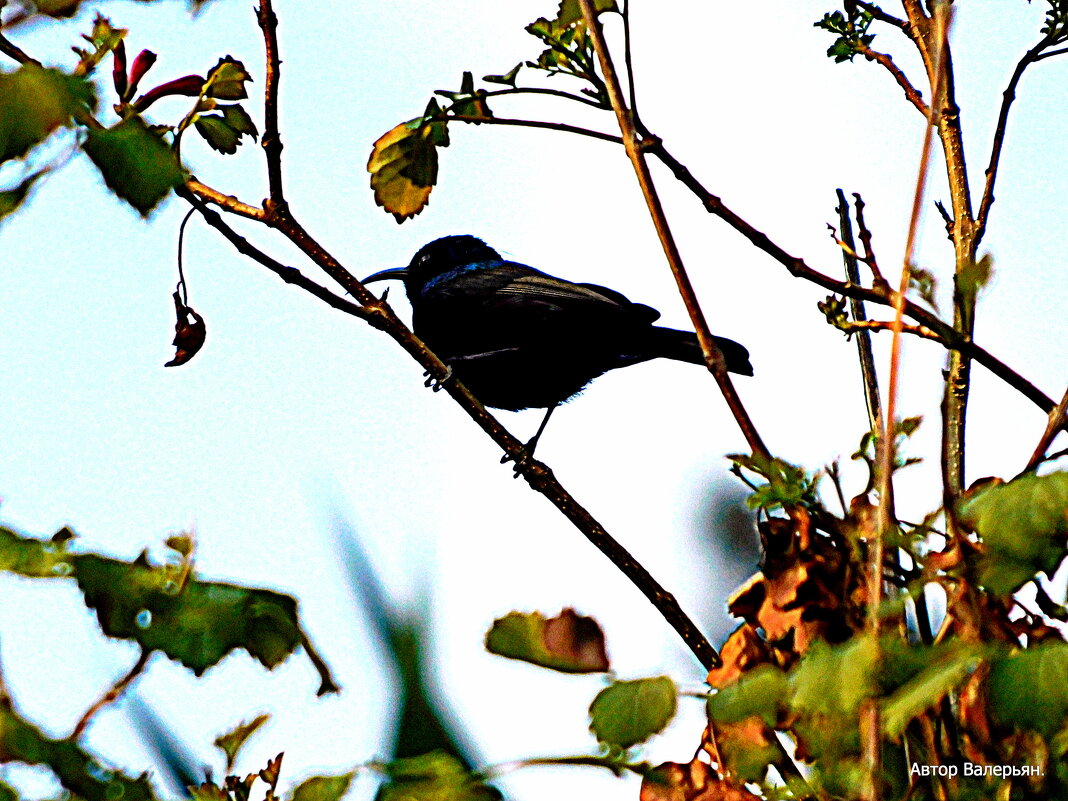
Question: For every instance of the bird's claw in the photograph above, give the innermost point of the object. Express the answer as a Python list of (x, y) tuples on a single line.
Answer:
[(520, 461), (437, 383)]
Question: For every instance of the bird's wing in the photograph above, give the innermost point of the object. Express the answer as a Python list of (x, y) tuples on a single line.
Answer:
[(510, 283)]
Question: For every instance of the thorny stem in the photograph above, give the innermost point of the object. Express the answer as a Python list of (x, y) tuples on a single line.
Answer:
[(713, 357)]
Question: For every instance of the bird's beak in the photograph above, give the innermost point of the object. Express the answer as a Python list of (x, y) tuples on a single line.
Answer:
[(385, 275)]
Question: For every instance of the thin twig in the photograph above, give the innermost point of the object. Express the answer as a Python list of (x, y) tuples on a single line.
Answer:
[(552, 126), (635, 152), (1007, 98), (921, 331), (882, 16), (882, 295), (10, 49), (228, 202), (1053, 427), (291, 275), (867, 362), (911, 92), (113, 693)]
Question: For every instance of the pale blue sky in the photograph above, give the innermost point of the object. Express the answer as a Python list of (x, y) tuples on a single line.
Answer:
[(293, 412)]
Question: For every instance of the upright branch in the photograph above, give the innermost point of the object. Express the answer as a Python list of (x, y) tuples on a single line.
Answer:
[(272, 139), (927, 33), (635, 152)]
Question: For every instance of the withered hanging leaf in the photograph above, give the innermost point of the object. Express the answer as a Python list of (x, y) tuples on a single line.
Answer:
[(568, 642), (404, 167), (190, 330), (136, 164)]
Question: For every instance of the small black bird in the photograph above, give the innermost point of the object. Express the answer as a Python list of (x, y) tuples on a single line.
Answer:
[(519, 338)]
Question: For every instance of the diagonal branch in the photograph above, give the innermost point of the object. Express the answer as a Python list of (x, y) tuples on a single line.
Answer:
[(911, 92), (636, 153), (879, 293), (1007, 98)]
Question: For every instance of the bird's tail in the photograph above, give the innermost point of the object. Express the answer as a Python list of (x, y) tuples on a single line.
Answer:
[(684, 347)]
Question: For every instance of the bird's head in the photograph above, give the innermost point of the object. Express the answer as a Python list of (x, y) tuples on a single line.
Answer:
[(437, 258)]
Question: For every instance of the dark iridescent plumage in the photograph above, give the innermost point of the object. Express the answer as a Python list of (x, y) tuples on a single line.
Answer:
[(519, 338)]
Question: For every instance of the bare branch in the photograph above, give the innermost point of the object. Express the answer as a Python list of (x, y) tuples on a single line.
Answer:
[(911, 92), (1007, 98), (636, 153), (880, 293), (271, 142), (1053, 427)]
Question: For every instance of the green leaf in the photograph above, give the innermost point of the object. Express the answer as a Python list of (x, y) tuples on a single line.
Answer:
[(1024, 528), (762, 692), (224, 131), (33, 558), (12, 199), (570, 11), (104, 38), (508, 79), (197, 624), (828, 686), (76, 770), (233, 741), (323, 788), (947, 668), (569, 642), (136, 164), (630, 712), (1029, 689), (226, 80), (404, 168), (433, 777), (786, 485), (35, 101), (974, 276)]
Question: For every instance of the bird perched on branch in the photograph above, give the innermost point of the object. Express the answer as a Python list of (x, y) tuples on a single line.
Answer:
[(519, 338)]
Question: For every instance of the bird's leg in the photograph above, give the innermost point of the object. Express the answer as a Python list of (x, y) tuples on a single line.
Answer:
[(532, 443), (437, 383)]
